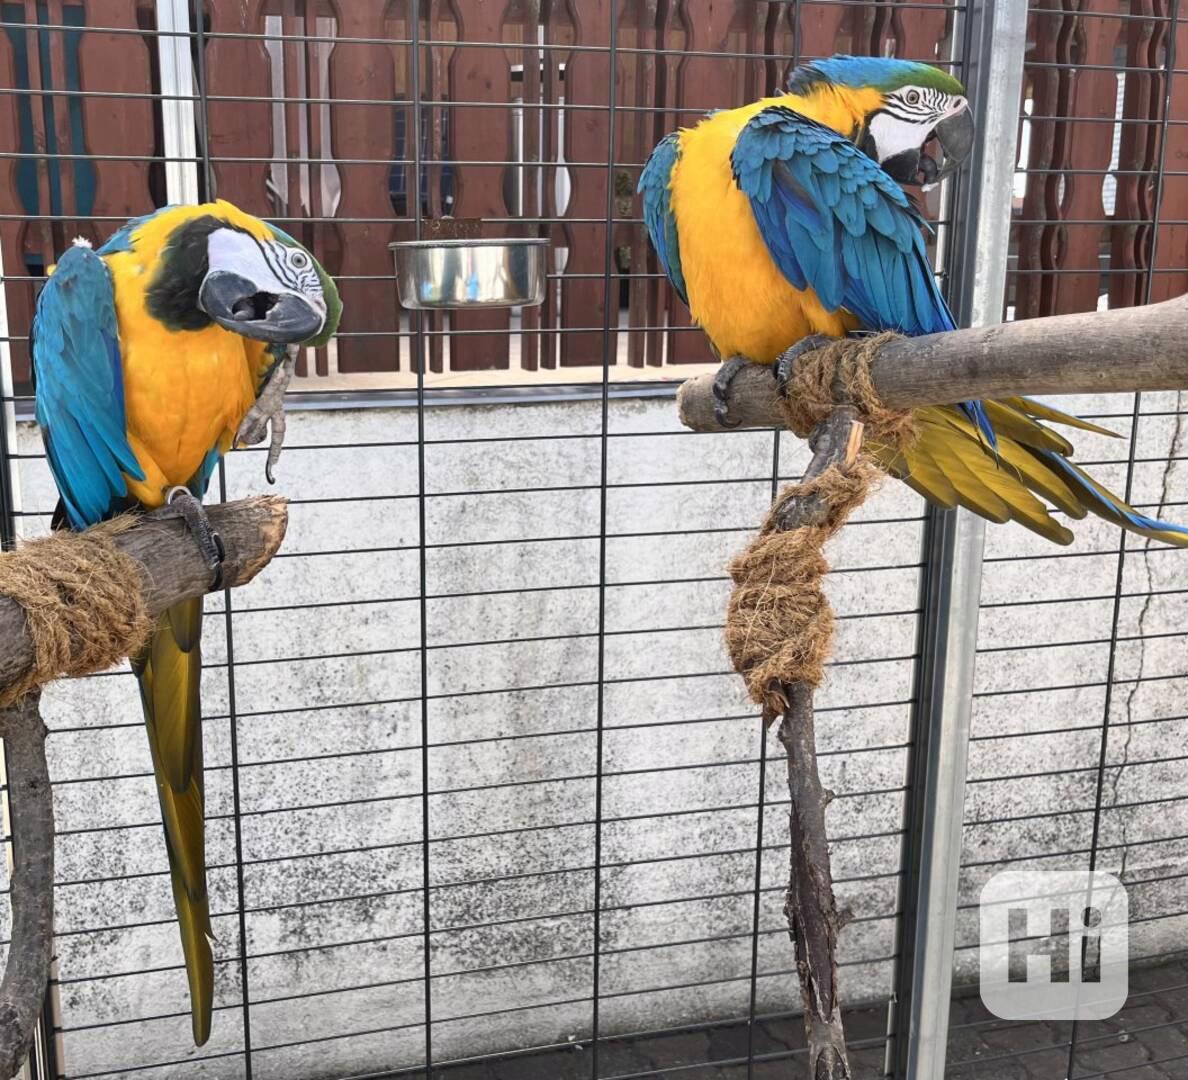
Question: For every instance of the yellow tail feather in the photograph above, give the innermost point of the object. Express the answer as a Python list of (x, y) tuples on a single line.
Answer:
[(169, 671), (1021, 479)]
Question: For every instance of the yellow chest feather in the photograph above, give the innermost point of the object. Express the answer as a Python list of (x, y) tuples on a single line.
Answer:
[(737, 294), (185, 391)]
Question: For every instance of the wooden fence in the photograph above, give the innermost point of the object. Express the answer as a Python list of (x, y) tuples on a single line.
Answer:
[(307, 117)]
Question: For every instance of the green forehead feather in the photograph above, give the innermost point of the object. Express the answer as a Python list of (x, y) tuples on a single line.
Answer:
[(329, 291), (928, 76), (880, 72)]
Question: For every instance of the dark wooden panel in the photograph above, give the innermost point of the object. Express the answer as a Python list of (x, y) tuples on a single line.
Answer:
[(360, 131)]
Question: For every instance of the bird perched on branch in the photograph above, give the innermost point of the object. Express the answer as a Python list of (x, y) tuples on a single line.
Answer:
[(150, 356), (784, 223)]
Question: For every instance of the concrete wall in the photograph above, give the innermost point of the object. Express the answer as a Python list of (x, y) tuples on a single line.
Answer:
[(327, 685)]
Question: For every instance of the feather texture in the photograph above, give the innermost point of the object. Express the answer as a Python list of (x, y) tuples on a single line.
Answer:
[(170, 672), (775, 225), (654, 184), (79, 382)]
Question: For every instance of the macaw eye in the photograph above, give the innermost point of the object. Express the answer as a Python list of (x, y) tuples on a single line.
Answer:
[(298, 260), (912, 97)]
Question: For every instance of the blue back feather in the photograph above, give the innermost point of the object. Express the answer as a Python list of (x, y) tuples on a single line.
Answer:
[(654, 184), (835, 222), (80, 388)]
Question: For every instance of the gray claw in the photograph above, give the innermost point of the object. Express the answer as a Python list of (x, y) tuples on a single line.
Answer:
[(268, 413)]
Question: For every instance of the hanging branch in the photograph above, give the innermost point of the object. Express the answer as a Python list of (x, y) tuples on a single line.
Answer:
[(66, 626), (810, 908), (1142, 348)]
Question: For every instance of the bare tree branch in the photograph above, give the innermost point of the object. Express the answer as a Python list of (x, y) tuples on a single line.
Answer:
[(813, 919), (32, 885), (1141, 348)]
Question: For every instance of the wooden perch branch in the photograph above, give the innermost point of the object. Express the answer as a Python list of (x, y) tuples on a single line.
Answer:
[(813, 919), (1142, 348), (172, 570)]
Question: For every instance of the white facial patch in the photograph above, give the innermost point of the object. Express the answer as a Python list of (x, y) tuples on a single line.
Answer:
[(272, 266), (893, 135)]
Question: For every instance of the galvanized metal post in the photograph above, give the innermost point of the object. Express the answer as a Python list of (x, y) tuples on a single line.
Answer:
[(995, 34), (178, 116)]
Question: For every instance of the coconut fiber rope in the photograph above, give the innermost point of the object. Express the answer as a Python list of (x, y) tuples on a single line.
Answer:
[(83, 601), (779, 625)]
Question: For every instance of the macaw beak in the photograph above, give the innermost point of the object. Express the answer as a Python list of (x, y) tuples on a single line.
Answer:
[(955, 133), (241, 306)]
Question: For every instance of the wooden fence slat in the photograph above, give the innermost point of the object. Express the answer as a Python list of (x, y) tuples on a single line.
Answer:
[(1138, 153), (239, 66), (585, 145), (480, 134), (1035, 244), (118, 126), (366, 71), (637, 141), (533, 174), (1171, 254), (18, 237), (704, 83)]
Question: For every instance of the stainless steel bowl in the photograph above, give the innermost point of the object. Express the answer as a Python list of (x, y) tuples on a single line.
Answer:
[(434, 274)]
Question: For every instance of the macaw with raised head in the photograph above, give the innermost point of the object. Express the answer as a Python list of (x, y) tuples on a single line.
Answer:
[(784, 222), (148, 356)]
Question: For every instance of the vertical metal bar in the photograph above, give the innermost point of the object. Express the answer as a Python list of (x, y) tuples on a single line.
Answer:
[(207, 185), (1136, 413), (610, 311), (995, 36), (178, 121), (419, 358)]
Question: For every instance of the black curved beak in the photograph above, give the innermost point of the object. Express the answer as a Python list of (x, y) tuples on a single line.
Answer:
[(956, 137), (236, 304)]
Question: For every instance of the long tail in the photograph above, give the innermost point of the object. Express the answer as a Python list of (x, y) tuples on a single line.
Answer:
[(169, 672), (1022, 475)]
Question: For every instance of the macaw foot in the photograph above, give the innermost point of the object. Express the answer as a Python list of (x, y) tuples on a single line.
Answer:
[(785, 363), (721, 389), (268, 412), (208, 540)]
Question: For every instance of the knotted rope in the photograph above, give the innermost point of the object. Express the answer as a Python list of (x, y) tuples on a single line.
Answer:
[(779, 625), (840, 372), (83, 601)]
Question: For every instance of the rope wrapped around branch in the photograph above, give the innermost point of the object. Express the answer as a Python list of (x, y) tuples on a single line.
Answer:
[(83, 600), (839, 373), (779, 626)]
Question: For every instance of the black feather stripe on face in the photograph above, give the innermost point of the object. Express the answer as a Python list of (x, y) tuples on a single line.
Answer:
[(172, 295)]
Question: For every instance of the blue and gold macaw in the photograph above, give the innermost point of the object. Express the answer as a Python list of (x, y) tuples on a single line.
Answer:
[(148, 354), (784, 221)]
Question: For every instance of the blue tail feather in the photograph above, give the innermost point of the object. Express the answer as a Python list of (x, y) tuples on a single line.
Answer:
[(976, 413), (1121, 513)]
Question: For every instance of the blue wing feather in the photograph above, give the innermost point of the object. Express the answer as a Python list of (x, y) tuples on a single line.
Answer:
[(835, 222), (654, 186), (80, 388)]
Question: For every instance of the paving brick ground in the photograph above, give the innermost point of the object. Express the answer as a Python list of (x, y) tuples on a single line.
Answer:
[(1147, 1040)]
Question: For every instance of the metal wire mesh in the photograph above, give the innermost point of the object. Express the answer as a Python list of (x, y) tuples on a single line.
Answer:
[(483, 794)]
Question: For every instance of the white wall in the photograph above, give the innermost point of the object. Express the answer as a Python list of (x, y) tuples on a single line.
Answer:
[(329, 746)]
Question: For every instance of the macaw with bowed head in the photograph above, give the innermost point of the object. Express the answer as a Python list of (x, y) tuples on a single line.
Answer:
[(148, 356), (783, 223)]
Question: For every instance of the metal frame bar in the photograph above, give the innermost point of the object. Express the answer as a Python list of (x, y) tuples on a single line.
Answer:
[(995, 44)]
